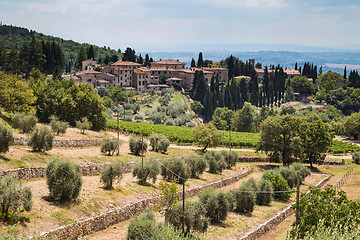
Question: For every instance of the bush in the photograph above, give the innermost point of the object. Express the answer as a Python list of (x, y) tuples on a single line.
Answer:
[(159, 142), (356, 157), (6, 138), (142, 227), (26, 123), (195, 217), (197, 165), (289, 175), (109, 146), (215, 204), (169, 122), (254, 186), (304, 171), (150, 170), (215, 161), (111, 173), (83, 124), (41, 139), (177, 166), (279, 184), (190, 124), (138, 117), (264, 199), (58, 126), (231, 197), (13, 196), (137, 146), (230, 158), (245, 199), (63, 180)]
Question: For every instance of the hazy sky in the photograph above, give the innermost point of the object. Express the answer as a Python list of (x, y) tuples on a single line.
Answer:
[(145, 24)]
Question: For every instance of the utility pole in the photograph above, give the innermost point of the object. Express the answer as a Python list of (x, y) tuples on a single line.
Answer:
[(142, 153), (118, 134), (297, 198), (183, 218)]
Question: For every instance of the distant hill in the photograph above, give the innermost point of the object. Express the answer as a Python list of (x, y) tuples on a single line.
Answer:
[(15, 37)]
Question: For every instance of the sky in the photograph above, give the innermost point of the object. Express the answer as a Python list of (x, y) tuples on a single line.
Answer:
[(163, 24)]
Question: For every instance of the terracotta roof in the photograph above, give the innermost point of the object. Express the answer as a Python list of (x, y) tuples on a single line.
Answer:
[(215, 68), (139, 71), (292, 71), (109, 74), (88, 72), (174, 79), (168, 61), (239, 77), (102, 81), (125, 63)]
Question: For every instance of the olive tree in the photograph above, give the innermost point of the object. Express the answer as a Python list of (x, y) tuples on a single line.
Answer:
[(64, 180), (13, 196), (41, 139), (207, 135), (6, 138), (112, 172)]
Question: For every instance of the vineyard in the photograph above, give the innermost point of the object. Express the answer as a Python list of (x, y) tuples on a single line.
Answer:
[(184, 134)]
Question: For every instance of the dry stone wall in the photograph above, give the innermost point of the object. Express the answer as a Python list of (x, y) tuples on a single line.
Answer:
[(64, 142), (103, 221), (278, 218)]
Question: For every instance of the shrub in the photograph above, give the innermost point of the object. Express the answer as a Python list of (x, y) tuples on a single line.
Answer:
[(159, 142), (26, 123), (245, 199), (109, 146), (169, 122), (150, 170), (231, 197), (215, 161), (230, 158), (195, 217), (41, 139), (264, 199), (304, 171), (138, 118), (289, 175), (356, 157), (58, 126), (279, 184), (177, 166), (83, 124), (137, 146), (6, 138), (112, 172), (215, 204), (63, 180), (254, 186), (13, 196), (142, 227), (197, 165), (190, 124)]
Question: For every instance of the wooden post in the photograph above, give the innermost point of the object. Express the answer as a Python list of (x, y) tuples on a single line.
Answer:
[(142, 153), (118, 134), (297, 198), (183, 218)]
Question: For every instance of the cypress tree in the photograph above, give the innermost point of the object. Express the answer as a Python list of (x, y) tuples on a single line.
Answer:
[(147, 60), (296, 66), (345, 73), (193, 64), (200, 62), (91, 53)]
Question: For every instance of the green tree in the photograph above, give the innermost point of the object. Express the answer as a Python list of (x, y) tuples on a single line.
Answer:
[(13, 196), (352, 125), (200, 62), (167, 200), (193, 64), (63, 180), (327, 206), (207, 135), (58, 126), (331, 81), (159, 142), (301, 84), (15, 94), (83, 125), (244, 119), (41, 139), (26, 123), (82, 56), (109, 146), (200, 86), (316, 140), (112, 172), (137, 146), (280, 138), (6, 138), (222, 118), (197, 107), (149, 169)]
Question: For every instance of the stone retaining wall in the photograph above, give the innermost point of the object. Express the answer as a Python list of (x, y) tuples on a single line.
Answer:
[(64, 142), (278, 218), (103, 221), (39, 172)]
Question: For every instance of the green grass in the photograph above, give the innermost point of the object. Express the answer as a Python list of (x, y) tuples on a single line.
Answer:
[(184, 134), (62, 218)]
